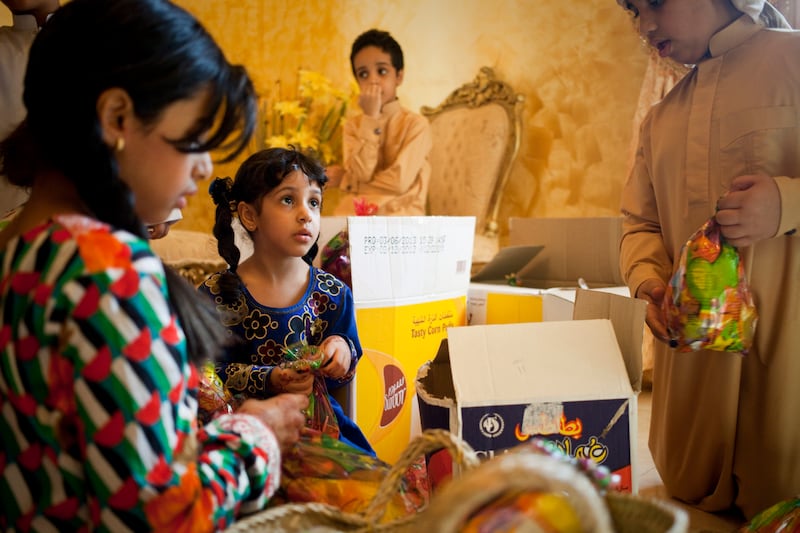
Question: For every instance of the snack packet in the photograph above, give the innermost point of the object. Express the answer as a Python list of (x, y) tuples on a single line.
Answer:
[(708, 304), (323, 469), (335, 255), (213, 398), (303, 357)]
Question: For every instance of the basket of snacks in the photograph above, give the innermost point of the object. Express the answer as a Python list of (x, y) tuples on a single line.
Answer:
[(376, 497)]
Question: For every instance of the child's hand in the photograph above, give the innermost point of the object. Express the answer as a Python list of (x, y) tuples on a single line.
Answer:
[(288, 380), (337, 357), (750, 211), (370, 100), (283, 414), (653, 291)]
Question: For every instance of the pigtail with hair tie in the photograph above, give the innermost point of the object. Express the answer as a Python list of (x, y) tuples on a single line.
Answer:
[(220, 190)]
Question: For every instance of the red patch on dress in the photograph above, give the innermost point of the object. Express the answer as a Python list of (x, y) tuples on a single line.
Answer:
[(151, 411), (64, 510), (24, 282), (61, 235), (24, 521), (31, 457), (194, 379), (27, 348), (126, 497), (175, 393), (42, 293), (160, 474), (170, 333), (88, 304), (94, 510), (24, 403), (5, 335), (100, 367), (111, 433), (139, 348), (127, 285)]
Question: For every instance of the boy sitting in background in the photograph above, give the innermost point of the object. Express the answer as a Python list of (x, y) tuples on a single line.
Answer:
[(385, 147)]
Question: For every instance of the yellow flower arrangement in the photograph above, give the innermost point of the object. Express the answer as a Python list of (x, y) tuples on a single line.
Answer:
[(311, 122)]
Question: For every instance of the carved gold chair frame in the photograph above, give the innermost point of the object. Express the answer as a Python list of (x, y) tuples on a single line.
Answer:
[(484, 90)]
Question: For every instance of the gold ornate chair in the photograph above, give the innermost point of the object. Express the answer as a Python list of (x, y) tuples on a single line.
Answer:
[(476, 135)]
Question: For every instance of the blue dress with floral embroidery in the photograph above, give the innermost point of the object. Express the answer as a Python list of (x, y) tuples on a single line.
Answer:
[(325, 309)]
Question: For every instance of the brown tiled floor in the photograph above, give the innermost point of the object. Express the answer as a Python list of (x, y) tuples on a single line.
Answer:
[(650, 483)]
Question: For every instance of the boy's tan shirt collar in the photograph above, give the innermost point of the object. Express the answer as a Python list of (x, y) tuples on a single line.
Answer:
[(733, 35)]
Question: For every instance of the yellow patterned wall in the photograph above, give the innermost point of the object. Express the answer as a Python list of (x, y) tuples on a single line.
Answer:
[(578, 63)]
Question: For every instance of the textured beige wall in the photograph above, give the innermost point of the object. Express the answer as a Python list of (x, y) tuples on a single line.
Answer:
[(578, 63)]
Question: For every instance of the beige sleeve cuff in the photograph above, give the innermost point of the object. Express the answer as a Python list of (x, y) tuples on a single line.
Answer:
[(789, 189)]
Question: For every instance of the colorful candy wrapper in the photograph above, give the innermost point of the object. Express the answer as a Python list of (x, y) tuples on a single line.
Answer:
[(708, 304), (783, 517), (302, 357), (335, 255), (213, 398), (323, 469)]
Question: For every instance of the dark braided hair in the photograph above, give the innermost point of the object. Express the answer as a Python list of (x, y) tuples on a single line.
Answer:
[(257, 176), (159, 54)]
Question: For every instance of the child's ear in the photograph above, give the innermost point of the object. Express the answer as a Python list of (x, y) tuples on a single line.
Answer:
[(114, 112), (400, 76), (247, 216)]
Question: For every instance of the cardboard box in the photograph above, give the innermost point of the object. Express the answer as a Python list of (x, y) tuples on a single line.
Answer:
[(502, 304), (549, 258), (572, 249), (410, 277), (574, 382)]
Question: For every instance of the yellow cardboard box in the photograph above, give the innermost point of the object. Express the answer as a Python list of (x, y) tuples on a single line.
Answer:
[(410, 278)]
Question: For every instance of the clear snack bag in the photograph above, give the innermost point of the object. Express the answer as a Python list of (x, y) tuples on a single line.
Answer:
[(708, 304)]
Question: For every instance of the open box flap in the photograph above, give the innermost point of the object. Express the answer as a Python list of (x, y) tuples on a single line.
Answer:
[(586, 248), (509, 260), (626, 315), (513, 363)]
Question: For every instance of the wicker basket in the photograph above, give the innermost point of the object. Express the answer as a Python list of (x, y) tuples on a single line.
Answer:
[(323, 518), (526, 471), (635, 514), (476, 485)]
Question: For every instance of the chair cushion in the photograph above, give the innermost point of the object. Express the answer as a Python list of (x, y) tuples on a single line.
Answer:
[(469, 147)]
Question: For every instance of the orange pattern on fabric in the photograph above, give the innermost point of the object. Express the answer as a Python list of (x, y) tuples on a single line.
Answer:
[(101, 250), (183, 508)]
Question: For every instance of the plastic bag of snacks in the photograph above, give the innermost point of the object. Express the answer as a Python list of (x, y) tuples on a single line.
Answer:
[(708, 304), (213, 398), (326, 470), (784, 516), (320, 415), (335, 255)]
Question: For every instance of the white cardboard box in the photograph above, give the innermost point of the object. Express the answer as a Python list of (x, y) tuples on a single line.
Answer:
[(410, 277), (573, 382)]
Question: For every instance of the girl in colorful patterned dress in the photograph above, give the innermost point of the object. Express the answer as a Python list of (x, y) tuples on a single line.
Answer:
[(98, 342), (275, 298)]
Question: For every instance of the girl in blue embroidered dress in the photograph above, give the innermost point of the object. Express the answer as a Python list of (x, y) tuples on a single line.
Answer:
[(275, 298)]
